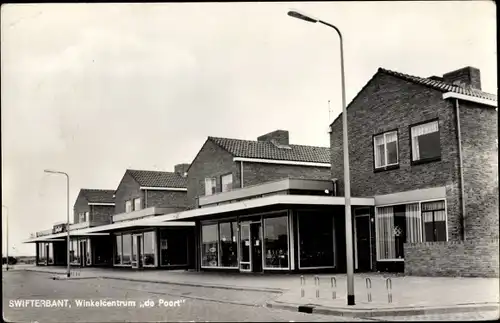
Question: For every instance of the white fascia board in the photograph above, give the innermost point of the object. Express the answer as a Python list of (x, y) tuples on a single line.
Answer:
[(268, 201), (102, 204), (280, 162), (180, 189), (453, 95)]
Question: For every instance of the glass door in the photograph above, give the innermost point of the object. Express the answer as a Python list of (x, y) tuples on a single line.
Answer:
[(137, 251), (245, 247)]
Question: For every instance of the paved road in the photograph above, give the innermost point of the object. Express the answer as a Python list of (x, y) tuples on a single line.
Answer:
[(186, 303)]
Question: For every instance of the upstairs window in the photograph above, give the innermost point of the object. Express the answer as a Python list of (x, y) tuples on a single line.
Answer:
[(227, 182), (128, 206), (385, 147), (86, 217), (425, 145), (210, 185), (137, 204), (81, 217)]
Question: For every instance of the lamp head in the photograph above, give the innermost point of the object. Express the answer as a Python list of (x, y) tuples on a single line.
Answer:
[(302, 16)]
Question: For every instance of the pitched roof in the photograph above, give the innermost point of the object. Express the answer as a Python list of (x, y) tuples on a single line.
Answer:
[(268, 150), (441, 86), (98, 196), (151, 178)]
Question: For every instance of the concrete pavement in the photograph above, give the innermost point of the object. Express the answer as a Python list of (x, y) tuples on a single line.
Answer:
[(410, 295)]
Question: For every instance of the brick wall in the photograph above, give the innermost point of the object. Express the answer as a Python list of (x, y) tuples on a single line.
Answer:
[(81, 205), (479, 129), (477, 258), (101, 214), (256, 173), (127, 190), (211, 161), (165, 198), (388, 103)]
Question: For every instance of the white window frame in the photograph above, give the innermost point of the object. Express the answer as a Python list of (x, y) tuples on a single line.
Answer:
[(445, 219), (135, 205), (128, 206), (412, 138), (87, 216), (212, 183), (263, 232), (384, 135), (421, 232), (223, 185)]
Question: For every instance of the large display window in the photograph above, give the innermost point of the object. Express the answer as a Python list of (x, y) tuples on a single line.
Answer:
[(127, 249), (209, 246), (276, 243), (118, 250), (149, 248), (315, 240), (173, 247), (228, 244)]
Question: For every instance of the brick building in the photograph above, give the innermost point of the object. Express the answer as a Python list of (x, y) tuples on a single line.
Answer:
[(426, 149)]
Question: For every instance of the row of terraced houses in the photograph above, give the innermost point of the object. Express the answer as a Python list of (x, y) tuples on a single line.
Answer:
[(424, 186)]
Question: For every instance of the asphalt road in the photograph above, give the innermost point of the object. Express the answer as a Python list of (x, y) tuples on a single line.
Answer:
[(142, 302)]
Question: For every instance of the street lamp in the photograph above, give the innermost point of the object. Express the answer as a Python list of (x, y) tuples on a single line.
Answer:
[(7, 236), (67, 219), (347, 181)]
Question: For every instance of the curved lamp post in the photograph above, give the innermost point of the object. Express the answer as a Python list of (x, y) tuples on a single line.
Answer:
[(347, 181), (7, 237), (67, 219)]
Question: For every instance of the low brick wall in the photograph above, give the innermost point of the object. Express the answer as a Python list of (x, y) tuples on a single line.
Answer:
[(478, 258)]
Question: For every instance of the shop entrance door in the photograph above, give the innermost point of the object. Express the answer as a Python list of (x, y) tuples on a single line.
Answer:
[(137, 251), (251, 247), (363, 242)]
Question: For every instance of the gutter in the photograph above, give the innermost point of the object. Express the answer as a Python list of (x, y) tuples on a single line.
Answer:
[(453, 95), (460, 158), (241, 173)]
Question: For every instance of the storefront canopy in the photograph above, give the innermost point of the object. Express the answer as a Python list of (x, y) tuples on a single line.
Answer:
[(138, 224), (63, 235)]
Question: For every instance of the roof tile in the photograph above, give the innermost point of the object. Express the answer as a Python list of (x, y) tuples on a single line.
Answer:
[(98, 196), (442, 86), (152, 178), (268, 150)]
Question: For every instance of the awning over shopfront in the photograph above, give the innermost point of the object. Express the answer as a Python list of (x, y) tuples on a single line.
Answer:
[(267, 201), (138, 224), (62, 236)]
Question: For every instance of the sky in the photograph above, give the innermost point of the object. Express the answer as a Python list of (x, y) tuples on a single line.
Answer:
[(94, 89)]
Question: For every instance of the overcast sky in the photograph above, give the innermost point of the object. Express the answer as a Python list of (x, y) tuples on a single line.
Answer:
[(93, 89)]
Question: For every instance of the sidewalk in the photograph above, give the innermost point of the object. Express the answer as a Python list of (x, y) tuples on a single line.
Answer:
[(410, 295)]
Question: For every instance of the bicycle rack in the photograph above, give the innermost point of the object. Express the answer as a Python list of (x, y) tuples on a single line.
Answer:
[(316, 283), (368, 284), (333, 281), (302, 285), (388, 286)]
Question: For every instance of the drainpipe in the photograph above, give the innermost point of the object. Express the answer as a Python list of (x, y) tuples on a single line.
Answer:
[(241, 174), (462, 191)]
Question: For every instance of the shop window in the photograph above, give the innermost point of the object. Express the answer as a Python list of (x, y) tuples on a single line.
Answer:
[(149, 248), (126, 249), (276, 242), (118, 250), (316, 240), (50, 256), (209, 246), (173, 247), (228, 244)]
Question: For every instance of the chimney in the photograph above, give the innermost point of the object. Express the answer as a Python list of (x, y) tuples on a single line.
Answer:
[(464, 77), (277, 136), (181, 169)]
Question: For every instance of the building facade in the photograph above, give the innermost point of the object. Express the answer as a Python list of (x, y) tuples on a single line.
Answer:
[(426, 149)]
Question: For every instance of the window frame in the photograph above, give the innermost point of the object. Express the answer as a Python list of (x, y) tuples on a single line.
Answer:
[(386, 166), (222, 183), (425, 160), (134, 204), (131, 206), (87, 216), (214, 181), (433, 222), (217, 223), (377, 233)]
